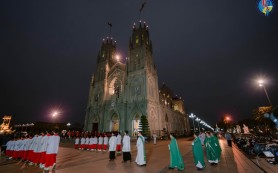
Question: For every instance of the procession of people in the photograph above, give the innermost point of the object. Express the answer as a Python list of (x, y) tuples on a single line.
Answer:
[(41, 149)]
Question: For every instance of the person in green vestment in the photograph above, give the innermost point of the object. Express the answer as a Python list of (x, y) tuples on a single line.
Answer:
[(213, 149), (198, 152), (176, 160)]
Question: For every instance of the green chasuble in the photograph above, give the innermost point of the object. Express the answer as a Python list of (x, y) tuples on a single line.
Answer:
[(198, 153), (213, 149), (176, 160)]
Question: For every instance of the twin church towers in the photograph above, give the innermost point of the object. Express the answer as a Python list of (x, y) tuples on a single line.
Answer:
[(121, 92)]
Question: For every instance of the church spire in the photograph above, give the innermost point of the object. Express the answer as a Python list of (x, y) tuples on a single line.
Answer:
[(140, 37)]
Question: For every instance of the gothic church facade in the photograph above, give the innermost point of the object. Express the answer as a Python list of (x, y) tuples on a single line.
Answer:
[(122, 91)]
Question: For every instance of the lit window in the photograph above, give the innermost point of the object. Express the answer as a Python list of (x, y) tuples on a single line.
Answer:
[(137, 39)]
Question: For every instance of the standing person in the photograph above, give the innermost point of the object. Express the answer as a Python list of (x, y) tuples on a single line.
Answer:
[(43, 146), (141, 154), (105, 142), (31, 153), (91, 142), (212, 148), (36, 150), (202, 137), (154, 138), (112, 147), (76, 142), (126, 147), (100, 141), (8, 149), (94, 146), (198, 152), (82, 143), (228, 138), (51, 151), (176, 160), (87, 143), (119, 143)]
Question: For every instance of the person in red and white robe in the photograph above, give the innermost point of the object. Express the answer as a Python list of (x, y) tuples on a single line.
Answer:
[(42, 149), (36, 158), (100, 141), (51, 151), (25, 148), (91, 143), (31, 153), (87, 143), (105, 142), (8, 149), (94, 143), (82, 143), (119, 143), (76, 144)]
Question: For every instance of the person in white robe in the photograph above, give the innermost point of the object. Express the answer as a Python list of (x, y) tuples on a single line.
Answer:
[(94, 143), (119, 143), (126, 147), (36, 150), (154, 138), (87, 143), (100, 141), (82, 143), (76, 142), (112, 147), (51, 151), (105, 142), (141, 154), (42, 149)]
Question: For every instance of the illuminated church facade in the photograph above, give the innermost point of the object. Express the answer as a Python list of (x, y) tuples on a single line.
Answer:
[(121, 91)]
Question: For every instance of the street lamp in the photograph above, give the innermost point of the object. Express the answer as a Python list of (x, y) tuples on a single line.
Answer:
[(68, 125), (193, 117), (55, 115), (261, 84), (198, 120)]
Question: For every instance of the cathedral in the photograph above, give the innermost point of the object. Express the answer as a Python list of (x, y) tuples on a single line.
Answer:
[(121, 91)]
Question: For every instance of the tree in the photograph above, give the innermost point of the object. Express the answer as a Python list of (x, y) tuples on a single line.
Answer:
[(144, 126)]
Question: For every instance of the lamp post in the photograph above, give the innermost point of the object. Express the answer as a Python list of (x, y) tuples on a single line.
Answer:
[(193, 117), (227, 121), (198, 120), (68, 125), (54, 116), (261, 84)]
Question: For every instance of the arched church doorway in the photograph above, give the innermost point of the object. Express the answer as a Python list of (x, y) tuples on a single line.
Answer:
[(95, 124), (135, 124), (114, 124)]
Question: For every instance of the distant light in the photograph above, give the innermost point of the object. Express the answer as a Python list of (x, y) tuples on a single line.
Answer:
[(54, 114), (260, 81), (117, 57)]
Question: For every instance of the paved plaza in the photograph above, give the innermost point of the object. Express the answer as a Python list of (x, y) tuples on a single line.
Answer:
[(70, 160)]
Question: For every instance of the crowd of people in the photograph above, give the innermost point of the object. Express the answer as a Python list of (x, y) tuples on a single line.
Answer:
[(212, 148), (115, 144), (39, 149)]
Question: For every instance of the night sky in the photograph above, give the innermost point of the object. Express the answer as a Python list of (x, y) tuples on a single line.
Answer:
[(209, 52)]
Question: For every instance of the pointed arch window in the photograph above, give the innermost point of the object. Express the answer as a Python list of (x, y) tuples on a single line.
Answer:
[(117, 88)]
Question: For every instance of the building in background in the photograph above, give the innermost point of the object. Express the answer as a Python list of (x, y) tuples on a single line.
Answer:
[(124, 89)]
